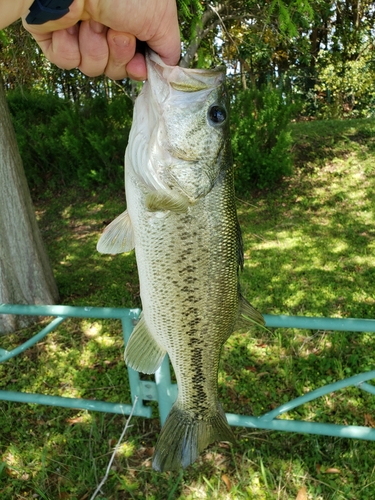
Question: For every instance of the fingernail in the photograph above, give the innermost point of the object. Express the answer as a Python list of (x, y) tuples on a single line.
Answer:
[(121, 40)]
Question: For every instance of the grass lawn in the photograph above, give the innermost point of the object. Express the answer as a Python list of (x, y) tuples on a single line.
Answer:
[(309, 250)]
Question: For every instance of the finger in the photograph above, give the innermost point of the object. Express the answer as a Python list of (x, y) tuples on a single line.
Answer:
[(61, 47), (167, 45), (121, 51), (166, 41), (93, 47), (136, 68)]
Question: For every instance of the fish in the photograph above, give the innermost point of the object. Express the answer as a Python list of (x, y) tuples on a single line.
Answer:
[(181, 220)]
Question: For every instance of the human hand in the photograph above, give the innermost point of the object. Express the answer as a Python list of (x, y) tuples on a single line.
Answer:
[(99, 36)]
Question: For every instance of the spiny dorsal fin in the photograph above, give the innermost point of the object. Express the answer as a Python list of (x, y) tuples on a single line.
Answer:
[(142, 352), (117, 236)]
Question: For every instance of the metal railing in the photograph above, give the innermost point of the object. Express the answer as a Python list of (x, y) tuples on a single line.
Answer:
[(164, 392)]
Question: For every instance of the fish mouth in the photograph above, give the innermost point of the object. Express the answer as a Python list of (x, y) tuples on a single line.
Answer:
[(162, 76)]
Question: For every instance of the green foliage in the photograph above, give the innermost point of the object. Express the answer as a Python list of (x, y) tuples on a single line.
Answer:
[(286, 23), (3, 38), (261, 139), (63, 143), (188, 9), (348, 86)]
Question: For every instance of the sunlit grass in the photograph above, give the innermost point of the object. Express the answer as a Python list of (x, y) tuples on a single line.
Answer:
[(309, 250)]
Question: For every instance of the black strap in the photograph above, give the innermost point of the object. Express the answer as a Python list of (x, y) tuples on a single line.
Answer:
[(42, 11)]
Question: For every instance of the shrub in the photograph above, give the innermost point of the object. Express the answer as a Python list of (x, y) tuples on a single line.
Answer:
[(260, 138), (64, 143), (347, 89)]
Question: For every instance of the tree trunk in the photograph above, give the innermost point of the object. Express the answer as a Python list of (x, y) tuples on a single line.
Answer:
[(25, 273)]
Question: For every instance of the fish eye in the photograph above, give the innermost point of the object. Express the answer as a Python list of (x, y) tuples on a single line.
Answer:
[(217, 115)]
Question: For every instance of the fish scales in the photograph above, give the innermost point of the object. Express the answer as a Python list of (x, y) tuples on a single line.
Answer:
[(181, 219)]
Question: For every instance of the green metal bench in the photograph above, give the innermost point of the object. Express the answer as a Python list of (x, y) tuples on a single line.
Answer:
[(164, 392)]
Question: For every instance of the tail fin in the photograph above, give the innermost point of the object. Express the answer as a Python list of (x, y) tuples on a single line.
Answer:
[(185, 435)]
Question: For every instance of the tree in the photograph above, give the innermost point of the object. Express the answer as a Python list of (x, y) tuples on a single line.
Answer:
[(25, 273)]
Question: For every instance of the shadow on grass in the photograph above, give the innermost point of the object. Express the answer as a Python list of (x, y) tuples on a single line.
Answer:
[(309, 245), (309, 251), (319, 142), (71, 224)]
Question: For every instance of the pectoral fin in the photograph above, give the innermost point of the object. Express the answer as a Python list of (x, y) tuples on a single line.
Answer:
[(175, 203), (142, 352), (117, 236)]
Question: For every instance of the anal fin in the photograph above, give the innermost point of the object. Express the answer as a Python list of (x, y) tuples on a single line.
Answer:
[(142, 352)]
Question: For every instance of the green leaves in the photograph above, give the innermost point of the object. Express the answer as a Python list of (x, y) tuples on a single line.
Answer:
[(4, 40), (285, 20), (63, 143), (261, 139)]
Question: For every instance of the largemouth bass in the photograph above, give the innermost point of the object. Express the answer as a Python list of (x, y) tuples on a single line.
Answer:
[(181, 219)]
